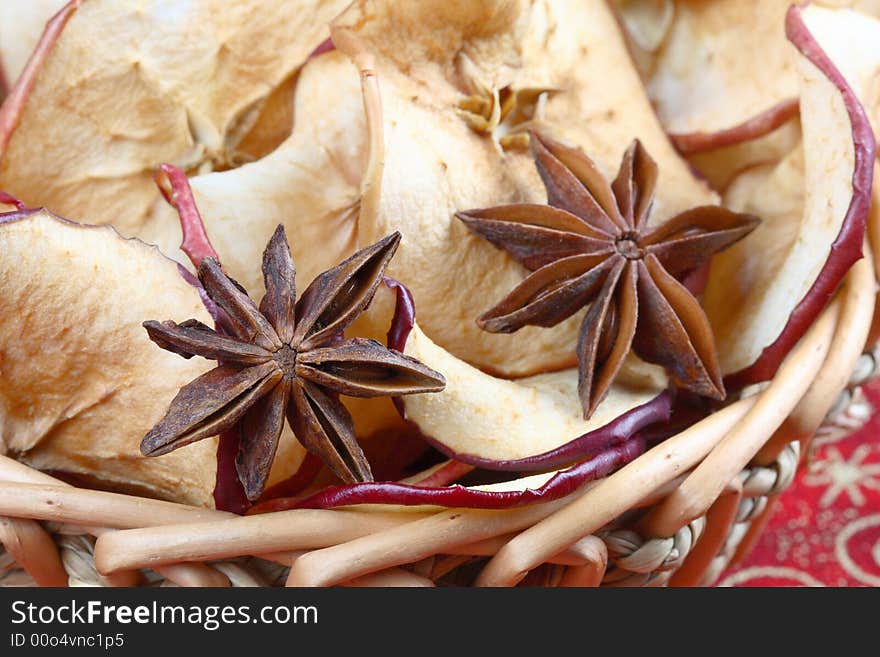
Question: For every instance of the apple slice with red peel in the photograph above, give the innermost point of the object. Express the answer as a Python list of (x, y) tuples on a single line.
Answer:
[(764, 292), (535, 423), (430, 57), (21, 24), (720, 166), (80, 382), (12, 108), (519, 491), (136, 83), (724, 73), (432, 488), (527, 424), (8, 203), (752, 128)]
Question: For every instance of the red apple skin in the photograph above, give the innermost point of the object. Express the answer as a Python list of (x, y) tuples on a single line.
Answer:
[(404, 315), (560, 485), (434, 489), (619, 430), (757, 126), (23, 212), (616, 432), (229, 494), (847, 247), (604, 451), (13, 104), (9, 199), (446, 474), (326, 45), (175, 188)]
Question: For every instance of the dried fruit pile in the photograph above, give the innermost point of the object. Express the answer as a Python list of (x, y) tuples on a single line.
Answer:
[(511, 245)]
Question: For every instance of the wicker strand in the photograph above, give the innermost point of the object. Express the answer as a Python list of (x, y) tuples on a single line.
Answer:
[(792, 381), (28, 542), (759, 484), (640, 561)]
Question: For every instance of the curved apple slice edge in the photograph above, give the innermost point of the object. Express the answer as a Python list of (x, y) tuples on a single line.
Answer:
[(754, 127), (526, 425), (846, 247), (74, 429)]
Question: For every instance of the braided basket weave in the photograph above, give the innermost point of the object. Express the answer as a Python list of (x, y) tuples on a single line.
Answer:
[(677, 515)]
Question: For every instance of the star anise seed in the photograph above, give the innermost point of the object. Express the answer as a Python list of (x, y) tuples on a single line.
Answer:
[(287, 358), (591, 246)]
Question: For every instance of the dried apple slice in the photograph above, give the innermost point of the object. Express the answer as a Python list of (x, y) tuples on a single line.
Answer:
[(137, 83), (21, 24), (533, 423), (725, 73), (429, 58), (765, 291), (80, 383), (528, 424), (610, 448), (311, 183)]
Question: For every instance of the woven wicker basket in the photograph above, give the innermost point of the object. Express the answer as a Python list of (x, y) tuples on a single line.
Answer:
[(677, 515)]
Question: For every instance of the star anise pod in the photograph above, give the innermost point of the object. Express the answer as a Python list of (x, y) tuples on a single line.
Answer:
[(592, 246), (286, 358)]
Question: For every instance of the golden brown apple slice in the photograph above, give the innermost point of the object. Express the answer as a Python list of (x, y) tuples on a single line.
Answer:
[(765, 291), (137, 83), (81, 383), (429, 57)]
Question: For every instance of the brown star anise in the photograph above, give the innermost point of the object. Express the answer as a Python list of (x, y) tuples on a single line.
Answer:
[(592, 246), (287, 357)]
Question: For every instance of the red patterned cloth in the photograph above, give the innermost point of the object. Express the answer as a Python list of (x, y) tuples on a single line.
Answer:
[(825, 528)]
